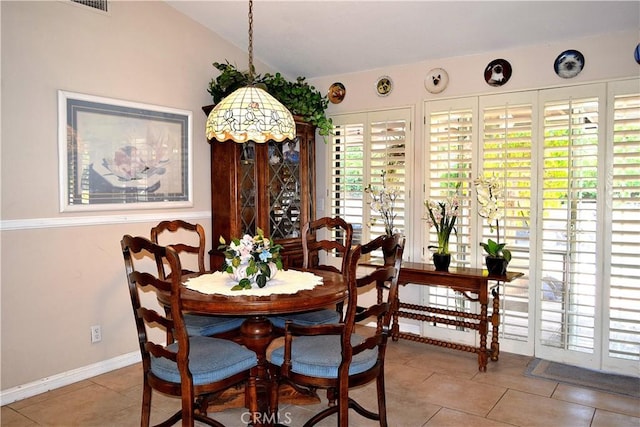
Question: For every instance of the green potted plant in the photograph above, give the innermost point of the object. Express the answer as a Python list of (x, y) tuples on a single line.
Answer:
[(299, 97)]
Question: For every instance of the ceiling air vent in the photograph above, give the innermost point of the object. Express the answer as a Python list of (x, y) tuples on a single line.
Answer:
[(96, 4)]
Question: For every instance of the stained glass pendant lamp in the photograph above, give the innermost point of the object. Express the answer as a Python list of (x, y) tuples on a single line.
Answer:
[(250, 113)]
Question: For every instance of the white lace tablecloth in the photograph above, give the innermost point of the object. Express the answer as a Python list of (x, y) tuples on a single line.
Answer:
[(285, 282)]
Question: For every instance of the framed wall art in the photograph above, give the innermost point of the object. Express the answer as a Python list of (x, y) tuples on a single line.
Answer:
[(116, 154)]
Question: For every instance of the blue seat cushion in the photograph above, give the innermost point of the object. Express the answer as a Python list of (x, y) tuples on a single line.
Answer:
[(308, 318), (201, 324), (210, 360), (319, 356)]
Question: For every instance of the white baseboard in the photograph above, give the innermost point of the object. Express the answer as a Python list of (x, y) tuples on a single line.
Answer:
[(60, 380)]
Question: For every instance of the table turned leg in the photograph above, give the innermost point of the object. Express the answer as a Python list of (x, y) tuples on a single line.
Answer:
[(257, 333), (495, 322), (482, 331)]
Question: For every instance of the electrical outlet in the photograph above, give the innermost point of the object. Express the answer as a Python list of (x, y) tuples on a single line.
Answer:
[(96, 334)]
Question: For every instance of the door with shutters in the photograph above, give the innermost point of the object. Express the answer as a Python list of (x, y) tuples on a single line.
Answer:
[(571, 199), (491, 136), (589, 257), (569, 160)]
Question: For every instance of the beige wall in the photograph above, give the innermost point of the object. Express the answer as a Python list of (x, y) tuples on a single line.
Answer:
[(61, 272)]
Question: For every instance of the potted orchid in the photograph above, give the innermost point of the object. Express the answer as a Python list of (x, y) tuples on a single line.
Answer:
[(251, 259), (443, 215), (489, 193), (383, 201)]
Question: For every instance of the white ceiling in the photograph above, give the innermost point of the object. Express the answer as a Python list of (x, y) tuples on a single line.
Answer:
[(323, 38)]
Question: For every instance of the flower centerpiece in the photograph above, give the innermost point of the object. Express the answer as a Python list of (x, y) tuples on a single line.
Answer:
[(443, 215), (383, 201), (251, 259), (489, 193)]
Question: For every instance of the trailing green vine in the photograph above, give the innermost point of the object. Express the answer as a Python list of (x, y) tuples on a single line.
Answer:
[(299, 97)]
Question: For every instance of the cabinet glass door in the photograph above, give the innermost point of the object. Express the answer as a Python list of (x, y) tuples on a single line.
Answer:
[(284, 189)]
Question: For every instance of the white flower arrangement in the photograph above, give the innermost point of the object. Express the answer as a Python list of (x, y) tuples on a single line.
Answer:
[(252, 258), (383, 201)]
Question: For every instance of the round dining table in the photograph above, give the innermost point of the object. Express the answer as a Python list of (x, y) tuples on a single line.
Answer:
[(256, 332)]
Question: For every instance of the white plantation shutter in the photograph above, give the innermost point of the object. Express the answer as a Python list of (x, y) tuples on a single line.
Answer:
[(388, 155), (450, 134), (506, 144), (365, 145), (571, 194), (347, 173), (623, 320), (449, 160)]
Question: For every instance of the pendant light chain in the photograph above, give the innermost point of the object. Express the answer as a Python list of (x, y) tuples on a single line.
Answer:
[(251, 41)]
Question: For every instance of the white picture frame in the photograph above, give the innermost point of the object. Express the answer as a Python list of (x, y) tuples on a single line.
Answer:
[(116, 154)]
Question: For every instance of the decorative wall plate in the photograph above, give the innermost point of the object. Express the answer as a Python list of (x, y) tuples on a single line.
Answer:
[(384, 85), (436, 81), (498, 72), (636, 53), (336, 93), (569, 64)]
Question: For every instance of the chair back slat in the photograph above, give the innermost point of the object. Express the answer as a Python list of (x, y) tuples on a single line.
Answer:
[(152, 316), (369, 343), (144, 279), (160, 351), (337, 243), (174, 233)]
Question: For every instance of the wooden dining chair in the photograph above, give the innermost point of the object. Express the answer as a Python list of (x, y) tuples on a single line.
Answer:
[(188, 240), (195, 368), (335, 357), (328, 253)]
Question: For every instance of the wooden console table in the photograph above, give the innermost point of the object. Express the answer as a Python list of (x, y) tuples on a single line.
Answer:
[(466, 281)]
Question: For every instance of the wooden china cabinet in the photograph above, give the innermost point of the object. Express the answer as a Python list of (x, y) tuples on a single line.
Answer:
[(269, 186)]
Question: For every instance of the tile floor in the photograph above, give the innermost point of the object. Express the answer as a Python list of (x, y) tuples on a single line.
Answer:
[(426, 386)]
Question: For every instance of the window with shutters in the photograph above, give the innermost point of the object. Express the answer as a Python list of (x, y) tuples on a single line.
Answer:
[(363, 147)]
